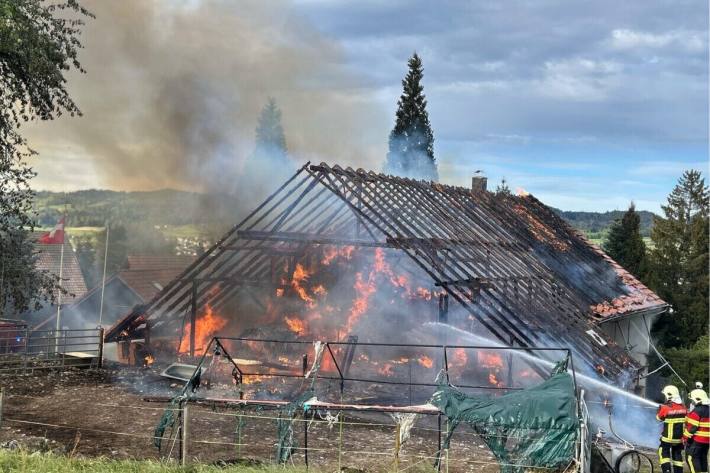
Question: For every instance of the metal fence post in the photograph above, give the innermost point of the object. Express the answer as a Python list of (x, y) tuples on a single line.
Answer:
[(397, 445), (101, 348), (2, 395)]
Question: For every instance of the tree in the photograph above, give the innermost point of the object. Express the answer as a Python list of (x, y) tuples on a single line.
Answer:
[(411, 142), (678, 262), (270, 138), (39, 43), (270, 163), (625, 244), (503, 189)]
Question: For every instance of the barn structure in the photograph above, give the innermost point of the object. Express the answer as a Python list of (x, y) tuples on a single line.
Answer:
[(503, 266)]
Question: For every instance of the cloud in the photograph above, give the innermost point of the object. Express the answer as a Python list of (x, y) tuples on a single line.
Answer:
[(693, 41)]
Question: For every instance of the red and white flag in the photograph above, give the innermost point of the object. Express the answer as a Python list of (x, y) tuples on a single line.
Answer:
[(56, 236)]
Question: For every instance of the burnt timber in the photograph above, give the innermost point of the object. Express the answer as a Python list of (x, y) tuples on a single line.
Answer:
[(516, 267)]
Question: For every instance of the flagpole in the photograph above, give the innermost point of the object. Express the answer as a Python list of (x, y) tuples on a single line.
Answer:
[(103, 278), (61, 270)]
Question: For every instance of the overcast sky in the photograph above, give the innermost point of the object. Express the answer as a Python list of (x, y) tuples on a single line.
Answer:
[(588, 105)]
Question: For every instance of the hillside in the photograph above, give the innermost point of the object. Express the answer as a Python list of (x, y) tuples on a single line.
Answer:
[(188, 214), (598, 222)]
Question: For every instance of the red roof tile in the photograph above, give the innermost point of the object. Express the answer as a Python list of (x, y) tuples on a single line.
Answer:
[(49, 258)]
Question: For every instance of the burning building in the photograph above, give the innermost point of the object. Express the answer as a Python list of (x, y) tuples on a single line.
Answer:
[(336, 253)]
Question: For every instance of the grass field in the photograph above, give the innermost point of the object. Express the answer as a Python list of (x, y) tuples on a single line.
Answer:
[(24, 462)]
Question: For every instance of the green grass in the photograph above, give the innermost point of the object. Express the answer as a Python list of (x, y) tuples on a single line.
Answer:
[(24, 462)]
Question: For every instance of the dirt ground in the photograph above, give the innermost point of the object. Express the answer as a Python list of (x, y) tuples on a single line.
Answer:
[(103, 413)]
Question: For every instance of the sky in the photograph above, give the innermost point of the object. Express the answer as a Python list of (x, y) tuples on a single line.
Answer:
[(587, 105)]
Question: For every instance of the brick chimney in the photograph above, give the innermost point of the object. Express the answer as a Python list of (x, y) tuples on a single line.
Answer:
[(479, 183)]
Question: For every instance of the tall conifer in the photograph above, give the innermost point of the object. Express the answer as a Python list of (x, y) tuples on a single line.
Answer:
[(678, 262), (625, 243), (411, 142)]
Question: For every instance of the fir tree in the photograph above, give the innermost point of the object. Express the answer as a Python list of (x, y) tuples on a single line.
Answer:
[(678, 262), (411, 142), (270, 139), (625, 244), (270, 164), (503, 189)]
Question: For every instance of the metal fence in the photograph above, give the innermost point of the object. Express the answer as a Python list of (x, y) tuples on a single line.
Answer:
[(23, 350)]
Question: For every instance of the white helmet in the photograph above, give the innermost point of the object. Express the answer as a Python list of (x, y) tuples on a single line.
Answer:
[(699, 396), (671, 393)]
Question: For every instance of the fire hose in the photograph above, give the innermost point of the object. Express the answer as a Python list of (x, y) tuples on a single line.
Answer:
[(631, 460)]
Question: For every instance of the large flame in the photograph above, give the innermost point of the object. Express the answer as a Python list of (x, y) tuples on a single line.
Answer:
[(208, 324), (301, 275), (295, 325)]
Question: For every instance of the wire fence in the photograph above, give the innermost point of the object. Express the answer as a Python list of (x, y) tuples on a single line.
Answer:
[(23, 350), (323, 439)]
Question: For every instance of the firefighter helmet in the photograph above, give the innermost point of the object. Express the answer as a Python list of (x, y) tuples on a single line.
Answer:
[(671, 392), (699, 396)]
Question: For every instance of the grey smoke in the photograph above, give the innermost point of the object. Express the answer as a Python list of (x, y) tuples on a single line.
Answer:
[(173, 91)]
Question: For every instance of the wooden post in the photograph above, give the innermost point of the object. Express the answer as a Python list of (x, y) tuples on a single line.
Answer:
[(25, 355), (185, 431), (397, 445), (100, 362), (2, 395), (438, 452)]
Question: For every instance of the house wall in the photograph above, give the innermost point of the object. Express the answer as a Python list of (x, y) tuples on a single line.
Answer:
[(633, 334), (118, 301)]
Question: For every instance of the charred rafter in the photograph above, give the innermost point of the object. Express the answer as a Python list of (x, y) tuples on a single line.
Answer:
[(505, 260)]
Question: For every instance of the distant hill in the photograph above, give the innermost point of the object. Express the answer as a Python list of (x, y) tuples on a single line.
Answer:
[(91, 208), (599, 222)]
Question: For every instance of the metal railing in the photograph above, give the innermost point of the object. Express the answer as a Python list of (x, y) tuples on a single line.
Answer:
[(23, 350)]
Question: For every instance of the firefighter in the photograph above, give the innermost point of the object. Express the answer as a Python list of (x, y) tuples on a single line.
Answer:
[(696, 434), (672, 413)]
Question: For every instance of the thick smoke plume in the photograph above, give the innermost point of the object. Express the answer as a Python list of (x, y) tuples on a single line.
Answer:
[(173, 91)]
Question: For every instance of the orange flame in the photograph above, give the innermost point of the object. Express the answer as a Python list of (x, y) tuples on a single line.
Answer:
[(386, 370), (208, 324), (364, 290), (522, 192), (494, 381), (300, 275), (460, 358), (490, 360), (148, 360), (425, 361), (295, 325), (332, 252), (319, 290)]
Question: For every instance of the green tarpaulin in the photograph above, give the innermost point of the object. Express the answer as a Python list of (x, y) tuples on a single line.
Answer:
[(527, 429)]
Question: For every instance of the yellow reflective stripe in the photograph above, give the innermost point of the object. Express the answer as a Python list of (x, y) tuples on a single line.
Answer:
[(692, 421), (677, 463), (690, 463), (698, 433), (705, 424), (670, 440), (676, 420)]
